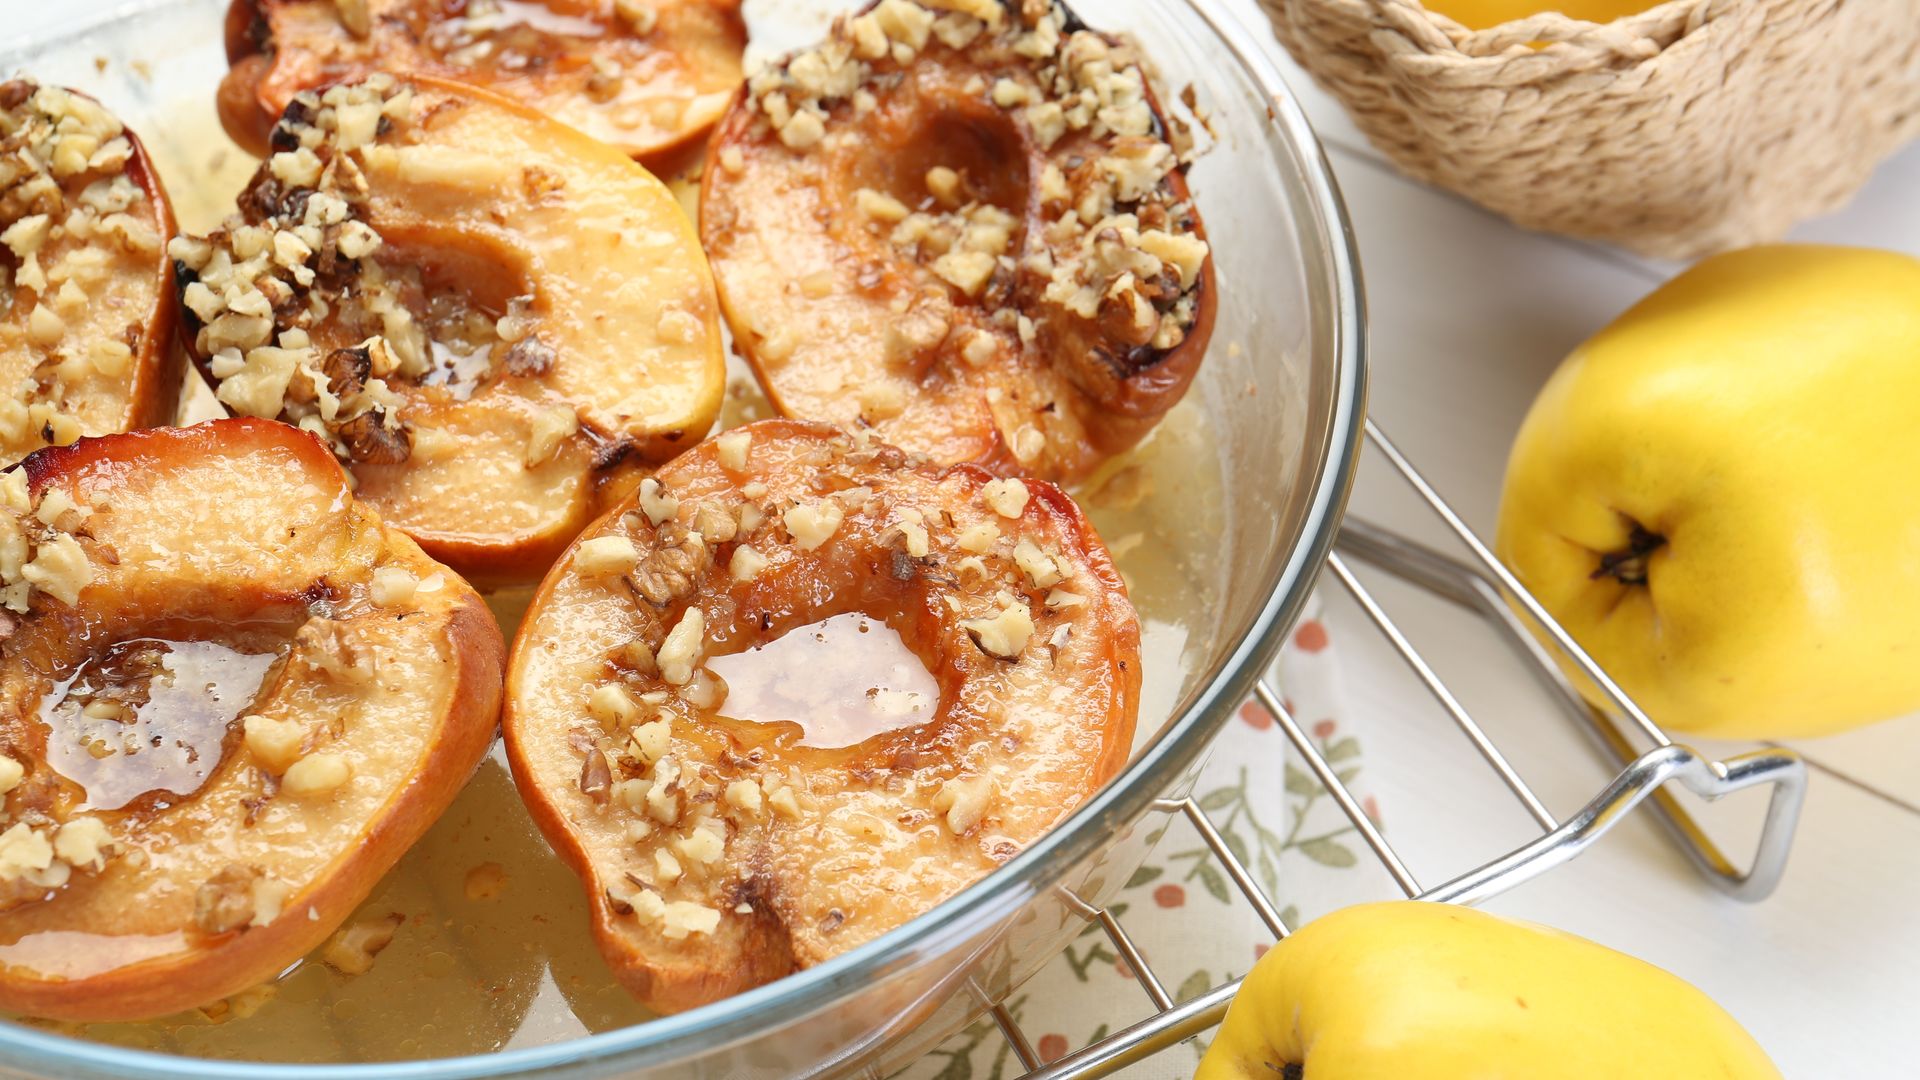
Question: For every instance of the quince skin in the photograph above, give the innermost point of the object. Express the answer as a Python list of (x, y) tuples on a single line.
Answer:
[(1716, 494), (1410, 990)]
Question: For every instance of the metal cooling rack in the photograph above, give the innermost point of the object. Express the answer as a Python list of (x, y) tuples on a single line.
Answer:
[(1650, 765)]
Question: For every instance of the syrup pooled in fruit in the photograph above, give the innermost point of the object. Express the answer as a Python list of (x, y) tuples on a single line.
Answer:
[(839, 682), (230, 700), (724, 844)]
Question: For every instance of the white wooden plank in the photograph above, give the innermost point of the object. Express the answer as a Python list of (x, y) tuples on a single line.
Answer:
[(1469, 315)]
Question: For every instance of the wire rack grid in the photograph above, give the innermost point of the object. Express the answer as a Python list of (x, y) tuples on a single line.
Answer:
[(1650, 766)]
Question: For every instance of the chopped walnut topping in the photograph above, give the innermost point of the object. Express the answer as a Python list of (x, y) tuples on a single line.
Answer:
[(744, 795), (1116, 247), (269, 900), (351, 949), (59, 568), (275, 294), (682, 648), (879, 206), (1039, 567), (596, 777), (37, 552), (11, 773), (733, 449), (669, 571), (913, 537), (224, 902), (82, 842), (316, 774), (1005, 633), (704, 690), (1008, 498), (666, 866), (812, 523), (747, 563), (393, 586), (964, 802), (656, 502), (715, 526), (978, 538), (784, 802), (613, 706), (551, 427), (683, 918), (1063, 599), (605, 555), (701, 847), (67, 208), (274, 743), (650, 741)]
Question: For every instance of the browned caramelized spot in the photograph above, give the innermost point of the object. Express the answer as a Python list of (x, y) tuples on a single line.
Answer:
[(640, 74), (80, 246), (300, 310), (1016, 271)]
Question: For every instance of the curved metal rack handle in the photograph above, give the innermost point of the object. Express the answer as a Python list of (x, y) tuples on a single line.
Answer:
[(1490, 591)]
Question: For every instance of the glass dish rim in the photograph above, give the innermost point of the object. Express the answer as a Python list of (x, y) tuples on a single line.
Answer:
[(1116, 805)]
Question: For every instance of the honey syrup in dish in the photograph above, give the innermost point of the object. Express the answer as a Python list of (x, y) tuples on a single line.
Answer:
[(478, 940)]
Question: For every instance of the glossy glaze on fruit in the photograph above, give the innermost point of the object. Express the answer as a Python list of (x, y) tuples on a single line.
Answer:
[(492, 318), (644, 76), (720, 852), (972, 235), (230, 700)]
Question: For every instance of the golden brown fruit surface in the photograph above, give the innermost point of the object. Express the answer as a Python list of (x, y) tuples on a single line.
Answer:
[(974, 237), (724, 845), (230, 699), (490, 316), (644, 76), (87, 307)]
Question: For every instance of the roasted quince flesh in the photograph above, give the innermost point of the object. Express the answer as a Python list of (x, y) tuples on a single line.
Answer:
[(86, 295), (642, 75), (723, 846), (971, 234), (490, 317), (230, 699)]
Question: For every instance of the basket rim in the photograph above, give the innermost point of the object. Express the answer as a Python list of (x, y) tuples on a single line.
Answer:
[(1579, 44)]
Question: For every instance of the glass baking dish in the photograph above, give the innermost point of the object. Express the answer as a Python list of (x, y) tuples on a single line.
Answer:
[(1242, 493)]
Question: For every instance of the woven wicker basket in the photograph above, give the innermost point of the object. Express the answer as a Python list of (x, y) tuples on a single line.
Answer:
[(1695, 126)]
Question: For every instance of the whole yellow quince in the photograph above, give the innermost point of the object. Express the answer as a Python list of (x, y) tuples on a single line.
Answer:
[(1483, 14), (1719, 494), (1417, 991)]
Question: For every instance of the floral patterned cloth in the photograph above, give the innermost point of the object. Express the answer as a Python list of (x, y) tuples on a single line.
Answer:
[(1180, 908)]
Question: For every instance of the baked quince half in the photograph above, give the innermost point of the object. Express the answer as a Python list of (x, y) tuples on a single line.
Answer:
[(230, 699), (967, 227), (87, 308), (802, 689), (492, 318), (646, 76)]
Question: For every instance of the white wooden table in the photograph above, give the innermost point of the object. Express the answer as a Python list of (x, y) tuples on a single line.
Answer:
[(1469, 316)]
